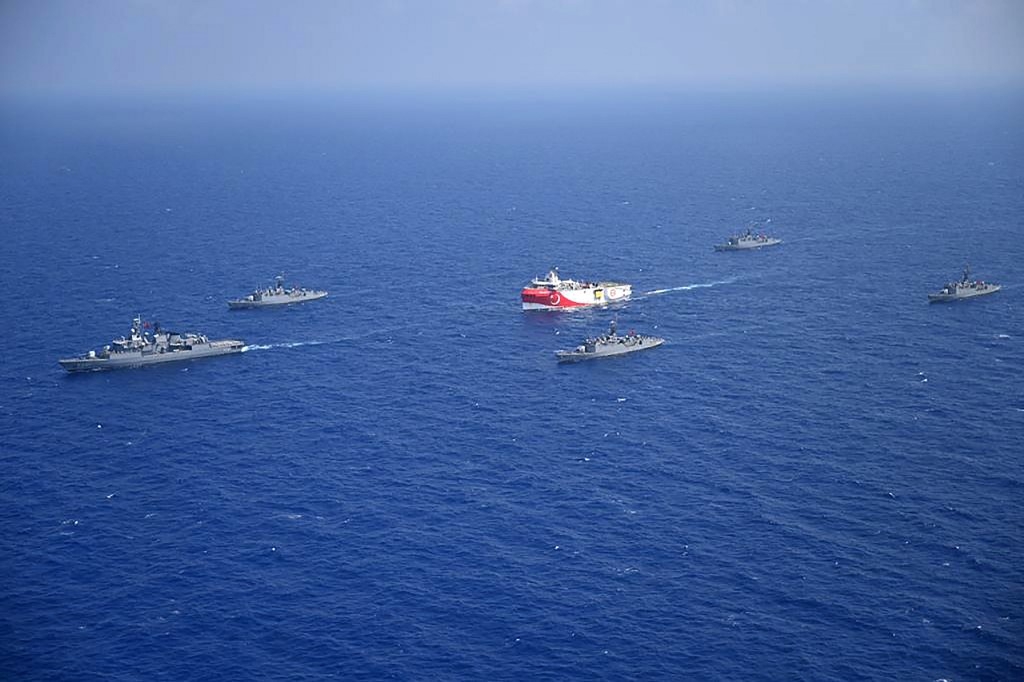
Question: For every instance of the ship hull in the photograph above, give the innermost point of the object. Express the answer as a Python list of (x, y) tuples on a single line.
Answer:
[(615, 351), (949, 298), (564, 299), (748, 246), (275, 301), (131, 360)]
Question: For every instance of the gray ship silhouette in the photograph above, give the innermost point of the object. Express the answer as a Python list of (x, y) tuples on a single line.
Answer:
[(609, 345), (145, 348), (746, 241), (965, 288), (276, 295)]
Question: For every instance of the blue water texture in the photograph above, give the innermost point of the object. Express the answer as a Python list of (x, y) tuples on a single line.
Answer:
[(818, 477)]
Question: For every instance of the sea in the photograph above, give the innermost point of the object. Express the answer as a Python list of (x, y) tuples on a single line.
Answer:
[(819, 476)]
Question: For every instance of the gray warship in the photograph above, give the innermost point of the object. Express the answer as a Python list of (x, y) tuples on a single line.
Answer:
[(965, 288), (747, 240), (609, 345), (276, 295), (146, 348)]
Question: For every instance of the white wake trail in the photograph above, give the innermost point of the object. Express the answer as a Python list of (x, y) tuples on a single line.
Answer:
[(688, 287), (291, 344)]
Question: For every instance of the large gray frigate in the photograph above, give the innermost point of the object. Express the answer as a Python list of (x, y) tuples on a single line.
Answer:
[(965, 288), (609, 345), (145, 347), (746, 241), (276, 295)]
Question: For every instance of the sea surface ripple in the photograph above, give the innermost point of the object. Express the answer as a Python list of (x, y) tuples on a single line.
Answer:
[(818, 477)]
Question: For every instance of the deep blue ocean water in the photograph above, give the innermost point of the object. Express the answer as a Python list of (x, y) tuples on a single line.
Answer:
[(819, 477)]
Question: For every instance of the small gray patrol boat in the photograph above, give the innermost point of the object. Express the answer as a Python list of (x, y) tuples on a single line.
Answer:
[(276, 295), (609, 345), (747, 241), (145, 348), (965, 288)]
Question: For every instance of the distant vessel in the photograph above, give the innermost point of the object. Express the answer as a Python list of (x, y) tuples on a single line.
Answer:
[(276, 295), (609, 345), (965, 288), (747, 240), (145, 348), (553, 292)]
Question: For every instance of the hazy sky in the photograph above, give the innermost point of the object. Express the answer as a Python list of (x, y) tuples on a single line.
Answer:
[(160, 45)]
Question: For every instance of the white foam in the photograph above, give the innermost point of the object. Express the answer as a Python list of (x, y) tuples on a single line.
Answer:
[(299, 344), (688, 287), (290, 344)]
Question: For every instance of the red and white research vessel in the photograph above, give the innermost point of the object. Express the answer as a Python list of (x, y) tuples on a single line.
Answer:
[(554, 293)]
